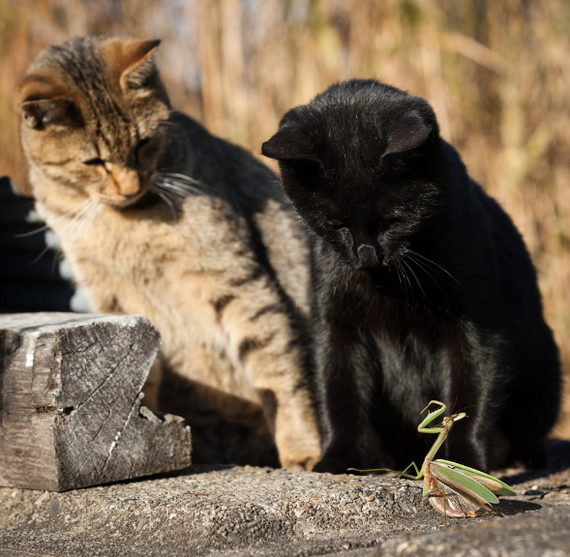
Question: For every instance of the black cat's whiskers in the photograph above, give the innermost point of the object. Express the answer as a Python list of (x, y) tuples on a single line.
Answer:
[(406, 283), (413, 259), (425, 269), (397, 269), (416, 278), (435, 266)]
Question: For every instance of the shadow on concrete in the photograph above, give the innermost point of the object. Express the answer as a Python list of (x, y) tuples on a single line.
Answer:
[(511, 507), (558, 461)]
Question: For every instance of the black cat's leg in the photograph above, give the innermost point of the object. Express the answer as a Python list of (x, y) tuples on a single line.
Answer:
[(470, 443), (345, 371), (471, 387)]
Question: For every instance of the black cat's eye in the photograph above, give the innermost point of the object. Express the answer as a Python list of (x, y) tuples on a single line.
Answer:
[(390, 217), (335, 223), (94, 162)]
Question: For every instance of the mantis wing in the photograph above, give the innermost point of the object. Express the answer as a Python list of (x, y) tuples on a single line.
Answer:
[(452, 475), (451, 501), (490, 482), (453, 494)]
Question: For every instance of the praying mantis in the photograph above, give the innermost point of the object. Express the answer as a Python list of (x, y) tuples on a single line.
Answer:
[(453, 489)]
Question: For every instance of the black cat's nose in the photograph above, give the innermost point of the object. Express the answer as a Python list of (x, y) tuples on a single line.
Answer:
[(367, 256)]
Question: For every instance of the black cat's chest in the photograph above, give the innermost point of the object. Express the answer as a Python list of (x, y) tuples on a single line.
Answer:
[(407, 344), (406, 332)]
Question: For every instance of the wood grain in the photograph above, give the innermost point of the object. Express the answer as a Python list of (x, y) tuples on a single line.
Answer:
[(70, 410)]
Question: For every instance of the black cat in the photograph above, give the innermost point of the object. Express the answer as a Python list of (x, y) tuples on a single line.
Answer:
[(422, 287)]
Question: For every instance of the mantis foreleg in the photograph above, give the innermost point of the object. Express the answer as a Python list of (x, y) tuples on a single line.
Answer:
[(418, 476)]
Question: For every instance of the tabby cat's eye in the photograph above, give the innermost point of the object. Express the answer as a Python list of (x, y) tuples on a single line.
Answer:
[(335, 223), (390, 216), (140, 150), (94, 162), (142, 143)]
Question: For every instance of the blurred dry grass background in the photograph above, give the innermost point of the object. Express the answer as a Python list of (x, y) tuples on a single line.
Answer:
[(497, 74)]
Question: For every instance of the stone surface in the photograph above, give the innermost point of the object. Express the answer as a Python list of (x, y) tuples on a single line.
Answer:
[(70, 412), (239, 511)]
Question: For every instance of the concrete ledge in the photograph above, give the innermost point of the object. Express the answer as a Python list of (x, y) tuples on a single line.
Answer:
[(257, 511)]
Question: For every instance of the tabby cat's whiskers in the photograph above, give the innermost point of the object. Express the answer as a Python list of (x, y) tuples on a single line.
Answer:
[(45, 227), (81, 218), (169, 202), (79, 211), (184, 182)]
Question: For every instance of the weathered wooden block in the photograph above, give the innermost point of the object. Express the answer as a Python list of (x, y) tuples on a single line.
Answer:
[(70, 411)]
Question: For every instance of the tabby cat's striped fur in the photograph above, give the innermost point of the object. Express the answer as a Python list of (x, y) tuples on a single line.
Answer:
[(160, 218)]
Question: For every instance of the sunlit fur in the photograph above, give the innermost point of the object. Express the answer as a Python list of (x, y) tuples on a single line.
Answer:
[(423, 288), (159, 218)]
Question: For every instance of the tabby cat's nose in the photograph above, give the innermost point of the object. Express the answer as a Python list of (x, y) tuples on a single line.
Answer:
[(125, 180), (367, 256)]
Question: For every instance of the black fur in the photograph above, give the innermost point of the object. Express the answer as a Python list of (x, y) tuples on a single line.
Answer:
[(423, 288)]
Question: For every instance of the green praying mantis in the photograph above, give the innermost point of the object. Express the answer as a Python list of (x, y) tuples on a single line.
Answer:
[(453, 489)]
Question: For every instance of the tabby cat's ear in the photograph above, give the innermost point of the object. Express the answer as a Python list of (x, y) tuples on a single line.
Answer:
[(130, 62), (409, 132), (289, 144), (42, 101)]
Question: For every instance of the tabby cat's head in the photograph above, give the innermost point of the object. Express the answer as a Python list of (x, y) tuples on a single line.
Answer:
[(361, 165), (93, 111)]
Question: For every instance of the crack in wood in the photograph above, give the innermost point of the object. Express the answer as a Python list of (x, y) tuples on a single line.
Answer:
[(103, 344), (118, 436), (91, 441), (106, 380)]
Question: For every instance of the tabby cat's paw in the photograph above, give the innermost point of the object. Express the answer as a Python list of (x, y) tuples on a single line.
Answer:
[(306, 464)]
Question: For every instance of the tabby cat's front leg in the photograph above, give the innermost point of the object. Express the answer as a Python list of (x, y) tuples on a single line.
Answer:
[(268, 348)]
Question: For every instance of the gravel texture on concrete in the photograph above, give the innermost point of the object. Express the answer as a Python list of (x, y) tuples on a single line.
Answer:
[(238, 511)]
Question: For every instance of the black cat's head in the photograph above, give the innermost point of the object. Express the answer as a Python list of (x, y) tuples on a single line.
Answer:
[(361, 163)]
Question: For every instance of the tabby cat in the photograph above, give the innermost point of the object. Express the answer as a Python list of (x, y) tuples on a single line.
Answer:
[(423, 288), (160, 218)]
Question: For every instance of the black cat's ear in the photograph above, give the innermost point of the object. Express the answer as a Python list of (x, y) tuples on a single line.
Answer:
[(42, 101), (130, 62), (289, 144), (295, 153), (409, 132)]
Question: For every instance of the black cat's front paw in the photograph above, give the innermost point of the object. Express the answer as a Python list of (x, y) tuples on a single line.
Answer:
[(338, 462)]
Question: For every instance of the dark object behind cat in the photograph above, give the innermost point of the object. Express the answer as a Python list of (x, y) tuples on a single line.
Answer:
[(423, 288)]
